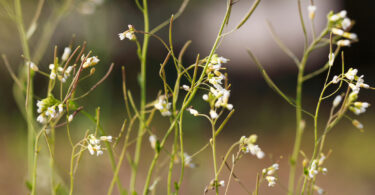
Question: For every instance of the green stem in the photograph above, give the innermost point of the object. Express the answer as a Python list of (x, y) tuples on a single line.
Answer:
[(213, 145), (186, 103), (171, 162), (26, 75), (299, 129), (34, 170), (71, 173), (143, 98)]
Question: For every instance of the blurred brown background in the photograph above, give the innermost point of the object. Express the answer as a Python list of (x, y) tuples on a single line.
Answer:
[(259, 110)]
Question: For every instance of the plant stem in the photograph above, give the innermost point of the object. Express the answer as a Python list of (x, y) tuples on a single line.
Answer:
[(186, 102), (172, 159), (299, 129), (26, 75), (35, 158), (71, 173), (143, 98), (213, 145)]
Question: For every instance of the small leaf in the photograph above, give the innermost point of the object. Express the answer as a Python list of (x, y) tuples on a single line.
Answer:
[(29, 185), (176, 186)]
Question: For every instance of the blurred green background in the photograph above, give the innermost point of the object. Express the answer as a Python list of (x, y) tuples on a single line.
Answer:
[(259, 110)]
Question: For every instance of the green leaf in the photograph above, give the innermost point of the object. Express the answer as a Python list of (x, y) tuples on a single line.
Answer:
[(29, 186)]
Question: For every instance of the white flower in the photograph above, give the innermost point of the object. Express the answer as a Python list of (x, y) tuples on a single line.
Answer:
[(91, 61), (106, 138), (351, 74), (51, 112), (193, 111), (271, 181), (342, 13), (324, 170), (205, 97), (152, 140), (32, 66), (313, 169), (337, 100), (321, 159), (337, 31), (52, 76), (188, 161), (41, 106), (98, 150), (272, 169), (334, 18), (41, 119), (337, 16), (355, 88), (185, 87), (346, 23), (163, 106), (66, 53), (353, 96), (331, 58), (229, 106), (91, 149), (360, 83), (359, 107), (70, 118), (311, 9), (222, 60), (213, 114), (215, 80), (218, 60), (129, 34), (343, 43), (61, 108), (93, 144), (335, 79), (93, 140), (357, 124), (318, 189), (255, 150), (352, 36), (222, 183)]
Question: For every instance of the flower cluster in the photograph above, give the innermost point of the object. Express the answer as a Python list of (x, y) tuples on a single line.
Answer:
[(93, 144), (316, 167), (247, 145), (59, 72), (269, 174), (339, 25), (48, 109), (129, 34), (219, 94), (163, 106), (355, 83)]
